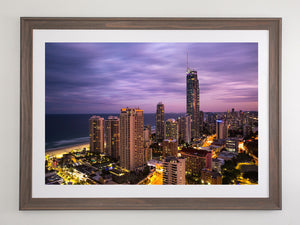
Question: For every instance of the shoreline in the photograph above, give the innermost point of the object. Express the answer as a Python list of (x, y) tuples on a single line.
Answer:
[(66, 149)]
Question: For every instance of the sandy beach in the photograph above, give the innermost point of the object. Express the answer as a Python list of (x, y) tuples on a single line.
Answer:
[(66, 149)]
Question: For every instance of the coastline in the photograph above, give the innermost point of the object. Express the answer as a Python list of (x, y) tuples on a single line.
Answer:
[(66, 149)]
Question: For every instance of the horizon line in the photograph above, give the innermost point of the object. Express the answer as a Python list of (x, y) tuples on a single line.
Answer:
[(147, 112)]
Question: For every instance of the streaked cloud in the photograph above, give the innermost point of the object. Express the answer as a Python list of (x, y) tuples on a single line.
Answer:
[(104, 77)]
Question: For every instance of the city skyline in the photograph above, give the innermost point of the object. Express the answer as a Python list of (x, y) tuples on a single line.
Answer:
[(105, 77), (186, 150)]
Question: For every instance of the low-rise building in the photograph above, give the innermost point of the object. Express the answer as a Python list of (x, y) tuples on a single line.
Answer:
[(227, 155), (210, 177), (119, 176), (217, 164), (170, 147), (196, 160), (219, 142), (232, 144), (52, 178)]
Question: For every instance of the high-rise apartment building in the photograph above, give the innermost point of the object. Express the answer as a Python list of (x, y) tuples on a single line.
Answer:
[(225, 129), (171, 129), (174, 170), (219, 129), (201, 120), (147, 134), (132, 139), (184, 129), (96, 134), (160, 121), (147, 153), (193, 101), (112, 131)]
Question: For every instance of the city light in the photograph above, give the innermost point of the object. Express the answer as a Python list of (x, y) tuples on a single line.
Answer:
[(127, 145)]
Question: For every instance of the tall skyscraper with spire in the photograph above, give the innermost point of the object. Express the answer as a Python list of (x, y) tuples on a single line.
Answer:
[(193, 100)]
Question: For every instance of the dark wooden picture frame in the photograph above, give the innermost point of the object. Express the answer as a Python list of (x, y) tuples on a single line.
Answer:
[(272, 25)]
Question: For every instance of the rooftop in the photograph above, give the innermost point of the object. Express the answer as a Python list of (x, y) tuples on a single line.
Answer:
[(113, 118), (170, 140), (172, 120), (96, 117), (193, 151), (171, 158), (214, 174)]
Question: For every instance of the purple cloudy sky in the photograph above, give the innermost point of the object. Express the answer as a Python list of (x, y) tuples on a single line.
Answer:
[(104, 77)]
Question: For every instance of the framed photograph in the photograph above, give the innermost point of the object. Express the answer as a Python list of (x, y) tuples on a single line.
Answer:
[(150, 113)]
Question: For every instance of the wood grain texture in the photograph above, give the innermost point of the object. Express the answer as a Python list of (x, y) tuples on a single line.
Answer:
[(26, 116), (273, 25)]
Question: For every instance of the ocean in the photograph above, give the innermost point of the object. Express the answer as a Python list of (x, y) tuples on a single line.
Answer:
[(70, 129)]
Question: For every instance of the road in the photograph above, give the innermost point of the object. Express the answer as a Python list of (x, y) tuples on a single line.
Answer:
[(209, 140), (247, 151), (156, 179)]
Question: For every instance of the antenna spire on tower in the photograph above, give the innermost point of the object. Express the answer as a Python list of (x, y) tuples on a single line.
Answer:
[(187, 60)]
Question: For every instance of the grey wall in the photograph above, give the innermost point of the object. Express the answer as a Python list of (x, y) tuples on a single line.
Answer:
[(11, 10)]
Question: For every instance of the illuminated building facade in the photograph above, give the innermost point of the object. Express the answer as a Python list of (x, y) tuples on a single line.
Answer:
[(174, 171), (112, 131), (217, 164), (170, 147), (232, 144), (192, 101), (219, 129), (96, 134), (147, 153), (171, 129), (196, 160), (210, 177), (225, 129), (119, 176), (184, 129), (132, 139), (147, 134), (160, 121)]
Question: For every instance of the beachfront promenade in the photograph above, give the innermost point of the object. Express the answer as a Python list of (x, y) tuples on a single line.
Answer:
[(64, 150)]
